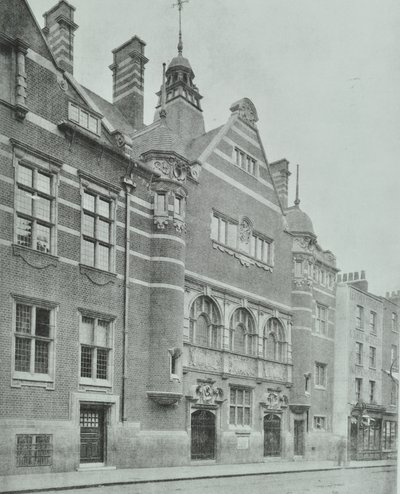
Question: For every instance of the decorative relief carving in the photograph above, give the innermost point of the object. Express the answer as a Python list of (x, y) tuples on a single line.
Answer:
[(241, 366), (171, 168), (242, 258), (194, 170), (302, 282), (276, 371), (305, 243), (204, 359), (96, 276), (34, 258), (276, 400), (247, 111), (207, 393), (161, 222), (180, 226), (245, 230)]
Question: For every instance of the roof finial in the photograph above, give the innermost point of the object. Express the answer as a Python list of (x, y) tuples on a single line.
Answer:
[(163, 112), (179, 4), (297, 200)]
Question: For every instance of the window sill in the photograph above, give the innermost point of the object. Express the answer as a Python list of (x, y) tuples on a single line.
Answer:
[(20, 379), (322, 388), (241, 430), (99, 383), (244, 259), (96, 275), (35, 258)]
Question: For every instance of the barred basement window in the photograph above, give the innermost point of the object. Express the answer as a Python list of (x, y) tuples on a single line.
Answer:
[(240, 406), (83, 118), (97, 231), (96, 344), (35, 206), (34, 450), (34, 342)]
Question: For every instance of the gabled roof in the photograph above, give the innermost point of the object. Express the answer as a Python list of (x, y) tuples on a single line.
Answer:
[(196, 146)]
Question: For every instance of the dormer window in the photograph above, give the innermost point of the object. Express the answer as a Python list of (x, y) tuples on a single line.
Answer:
[(83, 118)]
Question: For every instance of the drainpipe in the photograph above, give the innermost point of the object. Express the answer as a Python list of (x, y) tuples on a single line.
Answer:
[(129, 187)]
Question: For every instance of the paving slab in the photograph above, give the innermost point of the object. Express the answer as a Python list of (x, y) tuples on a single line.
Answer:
[(25, 484)]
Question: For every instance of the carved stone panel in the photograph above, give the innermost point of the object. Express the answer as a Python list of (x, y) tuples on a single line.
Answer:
[(202, 358), (241, 366), (274, 370)]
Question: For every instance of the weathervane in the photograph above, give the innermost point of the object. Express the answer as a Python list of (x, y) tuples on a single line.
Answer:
[(179, 4)]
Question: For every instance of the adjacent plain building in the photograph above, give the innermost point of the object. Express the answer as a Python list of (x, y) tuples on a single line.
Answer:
[(162, 304), (366, 362)]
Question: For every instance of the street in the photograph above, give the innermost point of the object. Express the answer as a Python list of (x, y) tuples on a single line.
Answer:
[(379, 480)]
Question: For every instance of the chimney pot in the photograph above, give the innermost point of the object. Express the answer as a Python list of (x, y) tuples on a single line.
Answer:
[(363, 275), (345, 277), (350, 276), (356, 276)]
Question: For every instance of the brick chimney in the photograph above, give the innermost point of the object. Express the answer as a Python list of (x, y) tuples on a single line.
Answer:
[(128, 80), (356, 279), (280, 173), (59, 30)]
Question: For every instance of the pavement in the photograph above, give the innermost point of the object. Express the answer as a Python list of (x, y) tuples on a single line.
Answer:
[(106, 476)]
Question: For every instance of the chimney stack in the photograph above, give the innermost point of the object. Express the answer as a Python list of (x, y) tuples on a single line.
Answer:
[(280, 174), (128, 80), (59, 30), (356, 279)]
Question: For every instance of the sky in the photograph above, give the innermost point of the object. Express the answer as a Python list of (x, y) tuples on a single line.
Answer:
[(324, 77)]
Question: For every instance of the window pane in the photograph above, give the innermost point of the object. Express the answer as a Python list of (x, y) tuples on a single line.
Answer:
[(161, 203), (93, 124), (42, 238), (222, 231), (233, 396), (42, 208), (41, 357), (260, 248), (104, 208), (214, 228), (88, 225), (201, 331), (86, 330), (23, 318), (239, 395), (88, 201), (83, 118), (86, 361), (43, 183), (25, 176), (266, 252), (24, 232), (247, 416), (103, 254), (232, 234), (103, 230), (102, 362), (24, 202), (232, 415), (102, 333), (42, 322), (239, 416), (178, 205), (247, 397), (73, 113), (22, 354), (88, 253)]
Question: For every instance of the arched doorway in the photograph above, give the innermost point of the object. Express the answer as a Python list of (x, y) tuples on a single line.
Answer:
[(272, 435), (203, 435)]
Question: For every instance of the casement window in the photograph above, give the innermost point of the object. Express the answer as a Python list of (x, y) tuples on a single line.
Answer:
[(34, 450), (7, 70), (83, 118), (394, 361), (34, 342), (372, 322), (320, 375), (394, 322), (372, 388), (389, 434), (97, 231), (393, 394), (319, 423), (359, 353), (321, 320), (372, 357), (161, 204), (359, 317), (95, 336), (245, 162), (224, 230), (240, 406), (298, 269), (358, 388), (260, 249), (205, 323), (274, 347), (35, 207), (242, 334)]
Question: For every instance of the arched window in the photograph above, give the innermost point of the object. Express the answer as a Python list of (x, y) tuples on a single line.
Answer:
[(242, 335), (274, 347), (204, 322)]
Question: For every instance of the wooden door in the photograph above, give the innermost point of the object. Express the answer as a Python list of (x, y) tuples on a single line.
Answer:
[(203, 435), (92, 434), (299, 437)]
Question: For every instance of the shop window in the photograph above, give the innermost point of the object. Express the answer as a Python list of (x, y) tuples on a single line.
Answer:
[(390, 435)]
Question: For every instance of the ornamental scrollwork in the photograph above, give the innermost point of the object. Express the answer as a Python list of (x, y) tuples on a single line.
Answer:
[(245, 230), (247, 111), (208, 394)]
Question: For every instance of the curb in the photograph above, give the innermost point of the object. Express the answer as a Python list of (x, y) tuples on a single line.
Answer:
[(178, 479)]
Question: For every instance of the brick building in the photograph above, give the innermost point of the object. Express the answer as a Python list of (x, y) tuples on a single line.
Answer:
[(366, 369), (161, 303)]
